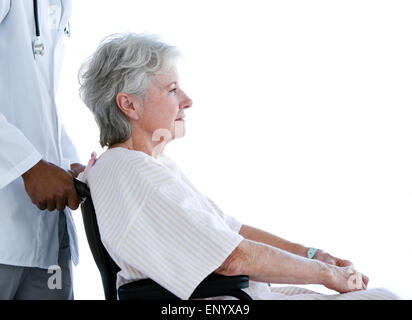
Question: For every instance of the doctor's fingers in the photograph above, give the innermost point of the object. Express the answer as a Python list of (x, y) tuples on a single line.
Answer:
[(55, 204), (73, 200), (51, 205), (58, 202), (41, 205), (61, 203)]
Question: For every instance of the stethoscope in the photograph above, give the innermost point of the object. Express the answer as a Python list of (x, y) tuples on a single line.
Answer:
[(38, 46)]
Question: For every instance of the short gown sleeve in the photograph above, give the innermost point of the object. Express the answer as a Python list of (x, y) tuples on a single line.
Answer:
[(232, 222), (176, 241)]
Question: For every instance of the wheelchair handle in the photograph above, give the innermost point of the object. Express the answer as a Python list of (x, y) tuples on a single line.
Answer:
[(82, 189)]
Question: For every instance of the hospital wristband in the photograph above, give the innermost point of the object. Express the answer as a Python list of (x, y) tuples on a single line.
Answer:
[(311, 252)]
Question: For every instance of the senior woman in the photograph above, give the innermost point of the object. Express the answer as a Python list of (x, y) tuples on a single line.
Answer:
[(153, 222)]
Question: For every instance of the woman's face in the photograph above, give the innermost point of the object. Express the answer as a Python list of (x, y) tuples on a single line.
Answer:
[(163, 109)]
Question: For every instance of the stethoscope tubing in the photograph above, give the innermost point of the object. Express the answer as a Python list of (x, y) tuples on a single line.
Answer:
[(36, 18), (38, 46)]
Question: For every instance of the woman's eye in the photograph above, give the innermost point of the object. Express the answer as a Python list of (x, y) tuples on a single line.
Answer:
[(173, 90)]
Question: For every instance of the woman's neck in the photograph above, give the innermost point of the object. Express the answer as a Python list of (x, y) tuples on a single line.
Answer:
[(143, 144)]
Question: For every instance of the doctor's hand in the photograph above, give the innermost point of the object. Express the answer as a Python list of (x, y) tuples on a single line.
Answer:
[(76, 169), (50, 187)]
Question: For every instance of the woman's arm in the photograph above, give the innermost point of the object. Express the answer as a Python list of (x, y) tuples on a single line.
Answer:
[(258, 235), (265, 263)]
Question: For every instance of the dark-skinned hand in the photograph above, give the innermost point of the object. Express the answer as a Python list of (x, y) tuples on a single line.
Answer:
[(50, 187)]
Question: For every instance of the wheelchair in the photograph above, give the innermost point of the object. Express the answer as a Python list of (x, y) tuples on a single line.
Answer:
[(214, 285)]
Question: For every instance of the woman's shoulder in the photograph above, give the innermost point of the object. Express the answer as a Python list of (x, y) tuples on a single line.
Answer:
[(130, 164)]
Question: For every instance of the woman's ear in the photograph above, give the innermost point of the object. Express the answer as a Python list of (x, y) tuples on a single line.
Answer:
[(129, 105)]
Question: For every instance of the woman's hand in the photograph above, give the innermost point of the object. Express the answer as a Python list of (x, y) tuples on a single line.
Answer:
[(345, 279), (331, 260)]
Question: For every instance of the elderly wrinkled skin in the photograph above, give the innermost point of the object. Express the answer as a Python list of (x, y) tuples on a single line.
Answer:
[(165, 102)]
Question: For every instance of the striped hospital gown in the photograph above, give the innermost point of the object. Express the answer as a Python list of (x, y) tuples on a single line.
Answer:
[(260, 291), (155, 224)]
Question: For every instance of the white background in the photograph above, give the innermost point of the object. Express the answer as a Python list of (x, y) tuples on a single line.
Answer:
[(301, 122)]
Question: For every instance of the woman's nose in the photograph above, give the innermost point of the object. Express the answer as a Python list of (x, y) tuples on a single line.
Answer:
[(186, 103)]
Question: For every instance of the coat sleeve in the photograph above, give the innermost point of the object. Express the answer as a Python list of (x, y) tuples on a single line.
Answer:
[(17, 154), (4, 9), (69, 150)]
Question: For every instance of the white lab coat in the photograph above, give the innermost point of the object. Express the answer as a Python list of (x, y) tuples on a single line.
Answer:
[(30, 130)]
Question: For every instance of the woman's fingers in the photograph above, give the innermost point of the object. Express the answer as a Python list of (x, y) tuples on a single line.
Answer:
[(365, 280), (325, 257), (343, 263), (347, 279)]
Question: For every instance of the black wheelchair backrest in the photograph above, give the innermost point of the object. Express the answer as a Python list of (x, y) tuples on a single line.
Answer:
[(107, 267)]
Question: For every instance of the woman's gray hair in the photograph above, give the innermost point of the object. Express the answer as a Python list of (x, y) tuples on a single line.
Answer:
[(121, 63)]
